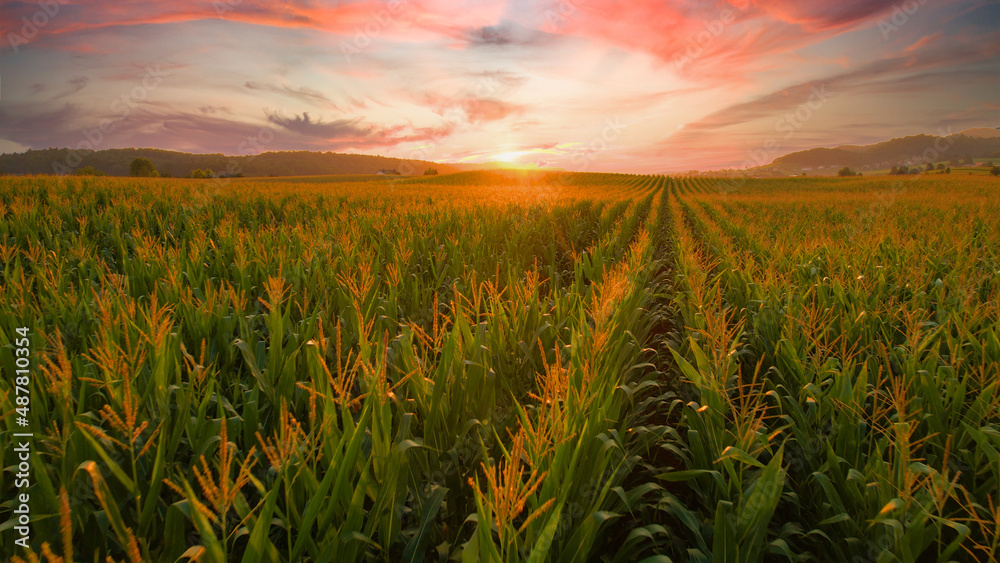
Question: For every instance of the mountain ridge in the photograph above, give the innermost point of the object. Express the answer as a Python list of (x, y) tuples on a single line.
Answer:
[(115, 162), (977, 142)]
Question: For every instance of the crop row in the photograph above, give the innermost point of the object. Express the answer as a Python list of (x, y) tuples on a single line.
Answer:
[(843, 377), (316, 372)]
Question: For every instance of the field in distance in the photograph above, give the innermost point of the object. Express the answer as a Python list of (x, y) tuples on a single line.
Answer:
[(505, 366)]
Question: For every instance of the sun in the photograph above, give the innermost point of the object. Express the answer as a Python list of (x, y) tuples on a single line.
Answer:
[(508, 156)]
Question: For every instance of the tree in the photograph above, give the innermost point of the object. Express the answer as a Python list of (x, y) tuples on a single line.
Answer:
[(845, 171), (995, 170), (89, 171), (940, 166), (430, 172), (206, 173), (142, 168), (930, 166), (947, 170), (894, 171)]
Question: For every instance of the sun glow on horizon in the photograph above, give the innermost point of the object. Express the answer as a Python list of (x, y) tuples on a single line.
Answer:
[(670, 86), (510, 156)]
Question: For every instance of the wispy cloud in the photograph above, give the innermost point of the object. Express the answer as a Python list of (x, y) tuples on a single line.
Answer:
[(700, 83), (302, 93), (354, 133), (73, 85)]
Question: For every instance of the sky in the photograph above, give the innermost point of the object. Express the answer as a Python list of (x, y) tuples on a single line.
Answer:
[(598, 85)]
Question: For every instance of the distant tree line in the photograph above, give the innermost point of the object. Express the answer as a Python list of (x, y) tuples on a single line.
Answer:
[(207, 173), (89, 171), (903, 170), (116, 162)]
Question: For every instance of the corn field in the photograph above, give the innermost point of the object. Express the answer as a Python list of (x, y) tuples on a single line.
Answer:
[(502, 366)]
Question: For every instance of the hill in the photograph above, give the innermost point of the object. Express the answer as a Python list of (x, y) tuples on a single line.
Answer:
[(981, 132), (975, 143), (115, 162)]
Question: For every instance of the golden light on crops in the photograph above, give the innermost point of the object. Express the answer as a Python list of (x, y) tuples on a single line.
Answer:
[(309, 360)]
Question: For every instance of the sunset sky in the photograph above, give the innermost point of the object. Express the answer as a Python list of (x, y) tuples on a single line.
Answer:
[(630, 86)]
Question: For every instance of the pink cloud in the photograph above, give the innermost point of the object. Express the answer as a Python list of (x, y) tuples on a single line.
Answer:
[(342, 18), (103, 14), (476, 109), (698, 79), (716, 40), (823, 15), (924, 41)]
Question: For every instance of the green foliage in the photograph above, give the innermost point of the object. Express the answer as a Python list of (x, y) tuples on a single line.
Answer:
[(307, 372), (142, 168), (88, 171), (521, 367), (867, 372)]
